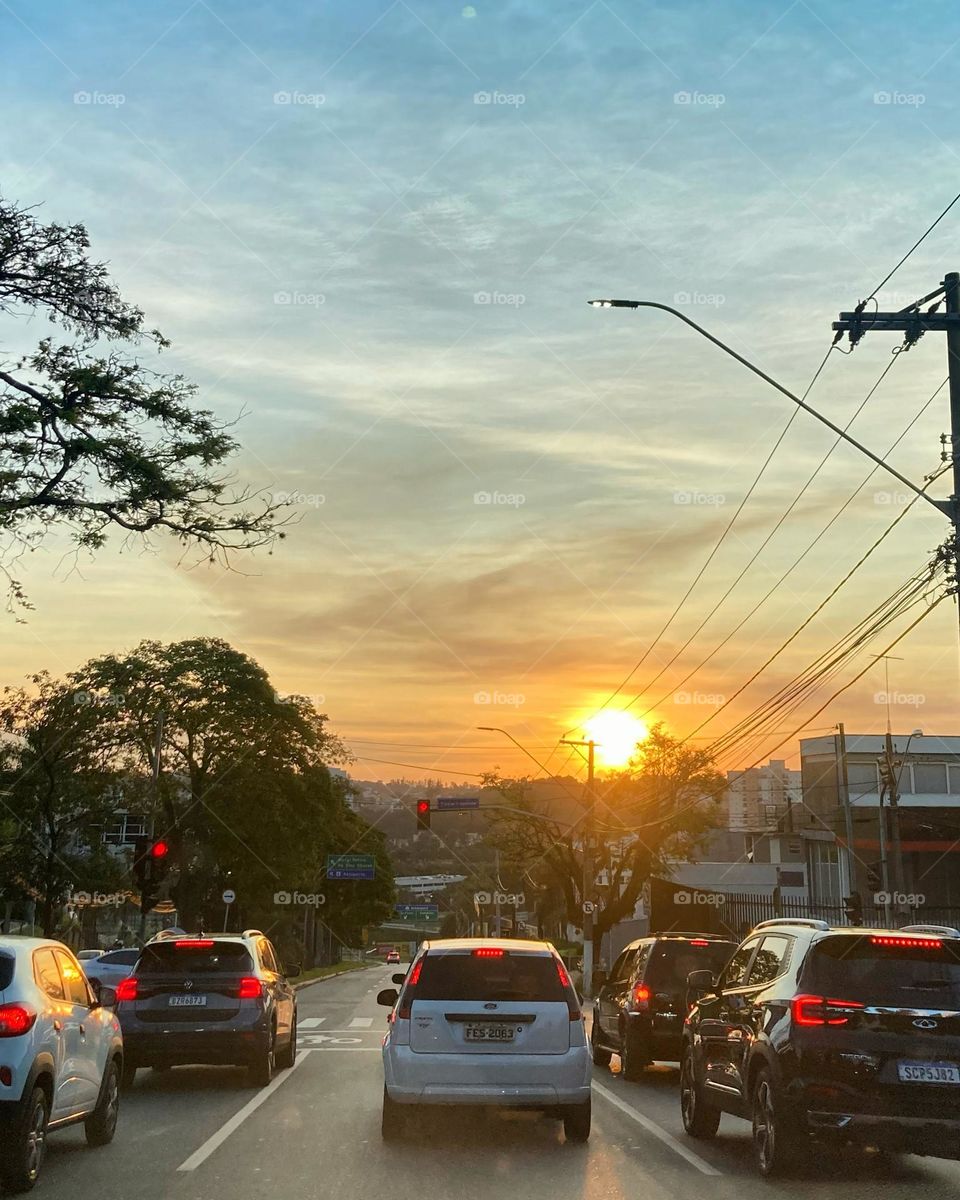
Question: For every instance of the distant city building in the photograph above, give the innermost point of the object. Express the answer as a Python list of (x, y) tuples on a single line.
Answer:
[(758, 798)]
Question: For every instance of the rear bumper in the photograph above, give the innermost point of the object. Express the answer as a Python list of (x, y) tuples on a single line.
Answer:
[(910, 1135), (173, 1047), (508, 1080)]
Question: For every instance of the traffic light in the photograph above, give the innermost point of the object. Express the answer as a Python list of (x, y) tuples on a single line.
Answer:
[(151, 863), (853, 908), (423, 815)]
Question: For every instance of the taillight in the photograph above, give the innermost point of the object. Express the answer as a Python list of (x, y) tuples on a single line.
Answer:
[(16, 1019), (573, 1004), (194, 943), (127, 989), (640, 996), (488, 952), (250, 988), (910, 943), (699, 942), (403, 1012), (818, 1010)]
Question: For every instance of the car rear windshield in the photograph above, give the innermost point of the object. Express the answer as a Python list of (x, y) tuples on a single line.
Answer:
[(523, 977), (858, 968), (7, 962), (671, 962), (167, 958)]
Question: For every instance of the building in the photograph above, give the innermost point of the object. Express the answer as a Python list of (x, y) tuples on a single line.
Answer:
[(758, 798), (925, 823)]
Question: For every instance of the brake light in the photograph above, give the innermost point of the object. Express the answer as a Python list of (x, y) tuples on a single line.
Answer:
[(488, 952), (912, 943), (403, 1012), (415, 973), (818, 1010), (16, 1019), (640, 995), (250, 988), (698, 942), (573, 1003), (562, 972), (194, 943), (126, 989)]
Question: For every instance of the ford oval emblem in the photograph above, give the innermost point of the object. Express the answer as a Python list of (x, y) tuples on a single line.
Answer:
[(489, 1006), (925, 1023)]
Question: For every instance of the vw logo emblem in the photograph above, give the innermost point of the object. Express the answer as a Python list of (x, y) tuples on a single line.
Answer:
[(187, 985), (925, 1023)]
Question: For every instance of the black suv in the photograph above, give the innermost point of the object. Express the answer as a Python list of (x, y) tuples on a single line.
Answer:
[(836, 1033), (639, 1010), (208, 998)]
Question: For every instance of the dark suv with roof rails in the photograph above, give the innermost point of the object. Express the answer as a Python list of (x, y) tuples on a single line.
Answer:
[(208, 998), (840, 1034), (639, 1009)]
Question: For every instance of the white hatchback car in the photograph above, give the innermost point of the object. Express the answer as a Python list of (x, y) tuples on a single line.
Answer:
[(487, 1022), (61, 1055)]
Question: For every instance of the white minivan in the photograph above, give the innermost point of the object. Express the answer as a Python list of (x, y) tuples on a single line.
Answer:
[(486, 1021)]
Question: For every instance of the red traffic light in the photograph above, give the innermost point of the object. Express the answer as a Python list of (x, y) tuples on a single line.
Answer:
[(159, 850), (423, 806)]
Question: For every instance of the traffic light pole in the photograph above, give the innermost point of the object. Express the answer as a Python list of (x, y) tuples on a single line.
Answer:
[(589, 869)]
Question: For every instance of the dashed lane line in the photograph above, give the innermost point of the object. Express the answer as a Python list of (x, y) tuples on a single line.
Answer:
[(657, 1131)]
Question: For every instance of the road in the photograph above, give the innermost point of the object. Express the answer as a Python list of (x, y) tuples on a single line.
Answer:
[(202, 1134)]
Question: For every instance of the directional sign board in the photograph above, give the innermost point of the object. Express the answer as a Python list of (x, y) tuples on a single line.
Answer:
[(229, 896), (351, 866), (408, 912), (456, 803)]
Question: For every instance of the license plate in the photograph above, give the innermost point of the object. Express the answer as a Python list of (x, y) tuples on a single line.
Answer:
[(187, 1001), (488, 1033), (927, 1072)]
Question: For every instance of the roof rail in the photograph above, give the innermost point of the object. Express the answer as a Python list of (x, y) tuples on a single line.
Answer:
[(942, 930), (803, 922)]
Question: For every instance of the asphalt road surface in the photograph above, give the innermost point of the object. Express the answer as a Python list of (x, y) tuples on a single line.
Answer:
[(201, 1134)]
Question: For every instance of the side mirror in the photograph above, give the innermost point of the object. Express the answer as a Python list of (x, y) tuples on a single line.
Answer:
[(106, 996), (701, 983), (399, 978), (599, 979), (388, 997), (294, 970)]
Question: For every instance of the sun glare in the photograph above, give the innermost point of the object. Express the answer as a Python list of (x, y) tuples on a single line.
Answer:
[(616, 734)]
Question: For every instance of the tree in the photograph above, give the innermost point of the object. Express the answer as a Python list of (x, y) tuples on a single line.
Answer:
[(653, 812), (96, 442)]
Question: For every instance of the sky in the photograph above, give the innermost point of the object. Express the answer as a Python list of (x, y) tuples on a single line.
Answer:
[(371, 229)]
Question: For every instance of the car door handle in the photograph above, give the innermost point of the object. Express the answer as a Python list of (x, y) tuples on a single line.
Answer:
[(83, 1030), (57, 1027)]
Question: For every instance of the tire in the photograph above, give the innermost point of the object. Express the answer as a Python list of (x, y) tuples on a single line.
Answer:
[(634, 1055), (776, 1141), (260, 1070), (129, 1075), (700, 1118), (576, 1122), (288, 1056), (601, 1057), (24, 1143), (101, 1125), (393, 1120)]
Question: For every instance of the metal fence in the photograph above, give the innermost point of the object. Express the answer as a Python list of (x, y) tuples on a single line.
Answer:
[(738, 913)]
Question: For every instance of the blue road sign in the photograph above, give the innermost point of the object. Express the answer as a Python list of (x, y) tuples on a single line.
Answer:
[(456, 803), (351, 866)]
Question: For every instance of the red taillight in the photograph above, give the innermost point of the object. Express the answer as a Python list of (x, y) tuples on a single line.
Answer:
[(818, 1010), (562, 972), (698, 942), (127, 989), (250, 988), (16, 1019), (193, 943), (640, 995), (911, 943), (403, 1012), (573, 1004), (488, 952)]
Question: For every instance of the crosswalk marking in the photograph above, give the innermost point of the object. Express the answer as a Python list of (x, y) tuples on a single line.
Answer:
[(360, 1023), (310, 1022)]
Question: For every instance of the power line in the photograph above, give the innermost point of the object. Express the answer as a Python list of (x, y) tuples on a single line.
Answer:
[(930, 229)]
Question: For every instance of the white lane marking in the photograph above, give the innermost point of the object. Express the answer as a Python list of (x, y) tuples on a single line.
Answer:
[(658, 1132), (360, 1023), (319, 1039), (310, 1022), (212, 1143)]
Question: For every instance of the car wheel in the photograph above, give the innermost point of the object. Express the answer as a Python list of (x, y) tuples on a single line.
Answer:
[(700, 1119), (634, 1055), (393, 1121), (288, 1056), (24, 1143), (129, 1075), (601, 1057), (576, 1122), (101, 1125), (260, 1071), (775, 1141)]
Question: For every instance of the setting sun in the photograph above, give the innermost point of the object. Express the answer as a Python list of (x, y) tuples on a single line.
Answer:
[(616, 734)]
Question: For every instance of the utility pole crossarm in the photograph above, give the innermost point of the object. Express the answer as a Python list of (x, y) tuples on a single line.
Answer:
[(859, 323)]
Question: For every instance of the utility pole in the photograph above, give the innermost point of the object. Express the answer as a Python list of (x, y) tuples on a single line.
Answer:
[(844, 783), (155, 791), (589, 869), (893, 783)]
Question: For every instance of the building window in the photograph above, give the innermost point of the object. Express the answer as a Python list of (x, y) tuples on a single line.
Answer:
[(930, 778), (955, 779), (862, 778), (823, 869)]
